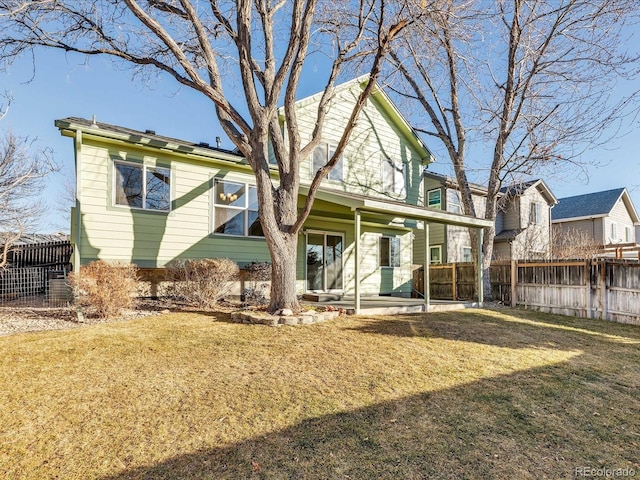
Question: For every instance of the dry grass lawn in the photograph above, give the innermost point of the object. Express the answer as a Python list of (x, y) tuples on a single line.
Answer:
[(474, 394)]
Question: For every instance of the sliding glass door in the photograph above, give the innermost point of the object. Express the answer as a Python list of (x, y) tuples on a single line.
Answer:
[(324, 261)]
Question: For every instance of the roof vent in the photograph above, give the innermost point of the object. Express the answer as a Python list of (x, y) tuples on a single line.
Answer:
[(203, 144), (150, 132), (218, 142)]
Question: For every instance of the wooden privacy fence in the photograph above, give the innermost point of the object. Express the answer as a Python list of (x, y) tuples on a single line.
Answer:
[(605, 288)]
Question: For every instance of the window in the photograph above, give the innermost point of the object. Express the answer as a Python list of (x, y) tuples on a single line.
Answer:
[(235, 209), (467, 255), (321, 155), (628, 235), (389, 251), (453, 201), (614, 232), (142, 186), (434, 199), (535, 213), (394, 176), (435, 254)]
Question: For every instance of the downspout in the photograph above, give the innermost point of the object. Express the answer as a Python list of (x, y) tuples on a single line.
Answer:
[(356, 287), (76, 219)]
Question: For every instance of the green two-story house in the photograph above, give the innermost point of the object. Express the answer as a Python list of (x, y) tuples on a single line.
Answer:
[(150, 199)]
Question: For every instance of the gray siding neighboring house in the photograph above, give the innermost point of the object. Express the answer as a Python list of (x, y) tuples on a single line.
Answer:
[(523, 223), (609, 217)]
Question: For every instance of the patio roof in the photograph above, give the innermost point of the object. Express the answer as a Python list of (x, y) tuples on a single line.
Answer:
[(398, 209)]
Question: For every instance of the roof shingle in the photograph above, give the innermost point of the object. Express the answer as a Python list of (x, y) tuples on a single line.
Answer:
[(586, 205)]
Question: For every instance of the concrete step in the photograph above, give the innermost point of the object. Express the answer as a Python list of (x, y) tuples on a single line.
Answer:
[(322, 297)]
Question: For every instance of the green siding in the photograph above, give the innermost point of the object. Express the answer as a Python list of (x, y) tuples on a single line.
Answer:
[(153, 239), (374, 137)]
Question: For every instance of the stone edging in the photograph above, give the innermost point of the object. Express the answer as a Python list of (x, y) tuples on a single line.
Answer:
[(262, 318)]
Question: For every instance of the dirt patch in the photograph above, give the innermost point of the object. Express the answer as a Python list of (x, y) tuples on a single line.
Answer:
[(17, 319)]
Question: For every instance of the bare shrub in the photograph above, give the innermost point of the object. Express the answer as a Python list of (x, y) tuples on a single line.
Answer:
[(572, 243), (202, 283), (105, 288), (256, 290)]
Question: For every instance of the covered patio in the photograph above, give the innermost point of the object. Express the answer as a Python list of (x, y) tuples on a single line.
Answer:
[(388, 209)]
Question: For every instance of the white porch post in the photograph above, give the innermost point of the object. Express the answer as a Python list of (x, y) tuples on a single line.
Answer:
[(356, 288), (480, 279), (427, 262)]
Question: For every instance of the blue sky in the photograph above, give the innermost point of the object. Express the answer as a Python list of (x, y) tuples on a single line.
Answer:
[(65, 85)]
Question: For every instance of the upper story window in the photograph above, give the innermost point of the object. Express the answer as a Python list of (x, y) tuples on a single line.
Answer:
[(453, 201), (142, 186), (628, 235), (535, 213), (321, 155), (389, 252), (393, 176), (235, 209), (434, 199), (613, 232), (467, 254)]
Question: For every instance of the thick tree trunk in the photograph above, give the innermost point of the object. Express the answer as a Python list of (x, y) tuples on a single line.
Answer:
[(283, 273)]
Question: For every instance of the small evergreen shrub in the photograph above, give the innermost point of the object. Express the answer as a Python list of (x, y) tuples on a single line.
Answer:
[(105, 289), (202, 283)]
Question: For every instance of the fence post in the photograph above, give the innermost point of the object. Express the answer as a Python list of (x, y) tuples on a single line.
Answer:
[(454, 282), (514, 280), (588, 289)]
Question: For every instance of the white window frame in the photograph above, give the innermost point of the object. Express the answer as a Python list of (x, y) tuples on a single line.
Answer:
[(628, 234), (393, 176), (393, 254), (454, 200), (244, 208), (437, 248), (145, 169), (329, 149), (613, 232), (535, 213), (466, 249), (439, 204)]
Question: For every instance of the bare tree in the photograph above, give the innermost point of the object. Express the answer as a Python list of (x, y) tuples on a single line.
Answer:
[(529, 80), (261, 45), (21, 177)]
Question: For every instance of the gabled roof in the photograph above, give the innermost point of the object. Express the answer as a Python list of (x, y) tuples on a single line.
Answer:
[(451, 182), (508, 191), (385, 102), (589, 205), (521, 187)]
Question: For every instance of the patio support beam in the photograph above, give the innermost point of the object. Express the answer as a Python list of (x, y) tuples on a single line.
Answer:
[(356, 288), (427, 262), (480, 288)]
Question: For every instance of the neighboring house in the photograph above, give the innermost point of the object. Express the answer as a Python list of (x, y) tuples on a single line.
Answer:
[(607, 218), (150, 199), (522, 223)]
